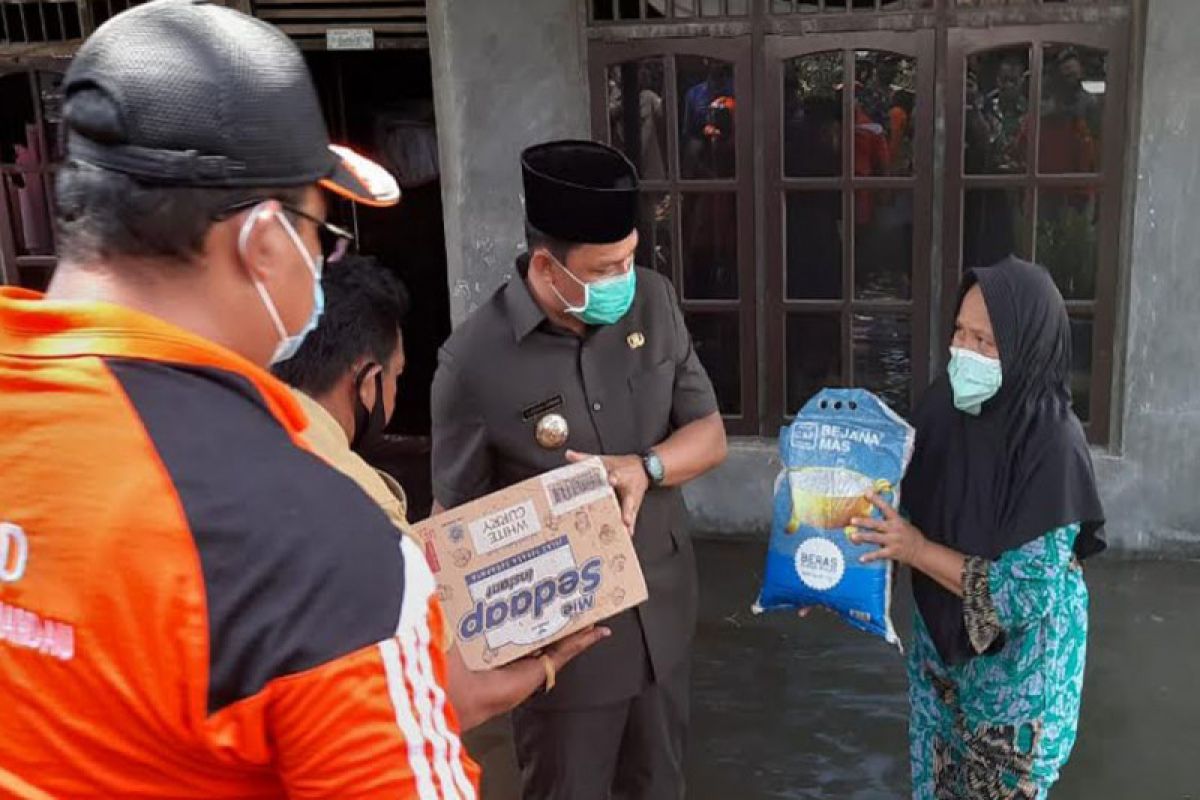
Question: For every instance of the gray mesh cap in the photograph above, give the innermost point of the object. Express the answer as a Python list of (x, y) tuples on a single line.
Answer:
[(187, 93)]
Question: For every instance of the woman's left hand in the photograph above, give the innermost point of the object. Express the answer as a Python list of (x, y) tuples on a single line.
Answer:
[(898, 540)]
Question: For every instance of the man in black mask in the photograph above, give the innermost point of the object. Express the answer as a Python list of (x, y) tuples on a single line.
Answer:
[(344, 375)]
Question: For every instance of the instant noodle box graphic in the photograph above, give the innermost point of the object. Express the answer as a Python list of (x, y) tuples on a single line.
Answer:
[(523, 567)]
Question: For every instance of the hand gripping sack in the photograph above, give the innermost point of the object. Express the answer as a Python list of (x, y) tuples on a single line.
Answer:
[(843, 444)]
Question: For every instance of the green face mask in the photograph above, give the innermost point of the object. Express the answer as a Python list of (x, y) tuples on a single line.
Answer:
[(604, 301), (974, 379)]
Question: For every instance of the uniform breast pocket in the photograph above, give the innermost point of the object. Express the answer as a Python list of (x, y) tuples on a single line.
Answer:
[(652, 391)]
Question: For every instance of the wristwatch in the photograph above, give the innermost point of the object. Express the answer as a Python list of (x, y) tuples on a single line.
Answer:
[(655, 470)]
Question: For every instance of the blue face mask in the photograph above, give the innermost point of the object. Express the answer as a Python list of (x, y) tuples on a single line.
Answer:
[(974, 379), (604, 301), (288, 344)]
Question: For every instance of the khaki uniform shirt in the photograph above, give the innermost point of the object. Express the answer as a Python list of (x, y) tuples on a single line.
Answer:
[(328, 440), (622, 389)]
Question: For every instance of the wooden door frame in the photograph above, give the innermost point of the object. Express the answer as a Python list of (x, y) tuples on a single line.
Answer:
[(919, 44), (738, 51), (1113, 38)]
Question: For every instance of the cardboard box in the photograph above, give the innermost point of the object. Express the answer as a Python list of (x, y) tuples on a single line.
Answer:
[(530, 564)]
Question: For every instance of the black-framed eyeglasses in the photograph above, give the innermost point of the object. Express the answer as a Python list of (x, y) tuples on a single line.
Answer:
[(327, 232)]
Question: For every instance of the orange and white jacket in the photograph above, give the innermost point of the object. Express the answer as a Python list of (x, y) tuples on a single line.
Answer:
[(192, 604)]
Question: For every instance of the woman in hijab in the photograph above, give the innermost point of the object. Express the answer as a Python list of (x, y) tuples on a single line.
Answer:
[(1001, 505)]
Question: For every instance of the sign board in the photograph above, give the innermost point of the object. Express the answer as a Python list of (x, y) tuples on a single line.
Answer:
[(350, 39)]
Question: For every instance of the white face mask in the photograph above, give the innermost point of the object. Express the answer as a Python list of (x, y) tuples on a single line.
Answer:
[(288, 343)]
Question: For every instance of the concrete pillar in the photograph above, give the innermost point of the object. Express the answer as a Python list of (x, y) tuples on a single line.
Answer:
[(1150, 485), (506, 74)]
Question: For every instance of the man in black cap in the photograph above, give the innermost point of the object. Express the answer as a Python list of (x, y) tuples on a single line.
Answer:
[(198, 606), (584, 353)]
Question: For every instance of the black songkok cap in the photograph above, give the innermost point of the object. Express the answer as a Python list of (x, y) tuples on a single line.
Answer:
[(581, 192)]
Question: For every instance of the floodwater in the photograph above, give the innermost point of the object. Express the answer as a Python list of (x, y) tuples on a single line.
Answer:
[(790, 708)]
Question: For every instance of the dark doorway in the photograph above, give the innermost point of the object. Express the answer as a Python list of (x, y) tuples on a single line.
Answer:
[(29, 153), (381, 104)]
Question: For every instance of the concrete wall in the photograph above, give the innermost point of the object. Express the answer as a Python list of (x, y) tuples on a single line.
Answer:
[(1151, 479), (1152, 488), (506, 74)]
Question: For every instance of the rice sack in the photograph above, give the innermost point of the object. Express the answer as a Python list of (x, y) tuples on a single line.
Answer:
[(842, 445)]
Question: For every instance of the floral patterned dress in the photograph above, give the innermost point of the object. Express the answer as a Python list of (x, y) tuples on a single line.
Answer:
[(999, 727)]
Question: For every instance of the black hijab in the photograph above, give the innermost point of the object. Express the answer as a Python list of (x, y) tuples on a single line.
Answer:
[(988, 484)]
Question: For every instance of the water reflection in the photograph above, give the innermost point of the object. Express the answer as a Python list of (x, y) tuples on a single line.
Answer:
[(883, 244), (883, 357)]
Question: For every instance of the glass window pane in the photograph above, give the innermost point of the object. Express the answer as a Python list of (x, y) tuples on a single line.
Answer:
[(866, 5), (51, 91), (996, 112), (717, 338), (995, 225), (813, 356), (781, 6), (710, 246), (30, 212), (655, 231), (812, 115), (739, 8), (883, 357), (1073, 86), (706, 117), (884, 102), (602, 10), (813, 245), (710, 8), (20, 115), (1067, 238), (1081, 366), (629, 9), (685, 8), (25, 185), (883, 244), (656, 9), (636, 122)]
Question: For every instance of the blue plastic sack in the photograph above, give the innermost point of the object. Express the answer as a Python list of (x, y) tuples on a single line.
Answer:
[(843, 444)]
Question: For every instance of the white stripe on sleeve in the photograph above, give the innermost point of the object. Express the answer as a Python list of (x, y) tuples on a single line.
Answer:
[(405, 720)]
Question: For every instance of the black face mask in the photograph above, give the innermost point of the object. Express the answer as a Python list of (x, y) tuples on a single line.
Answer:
[(368, 422)]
